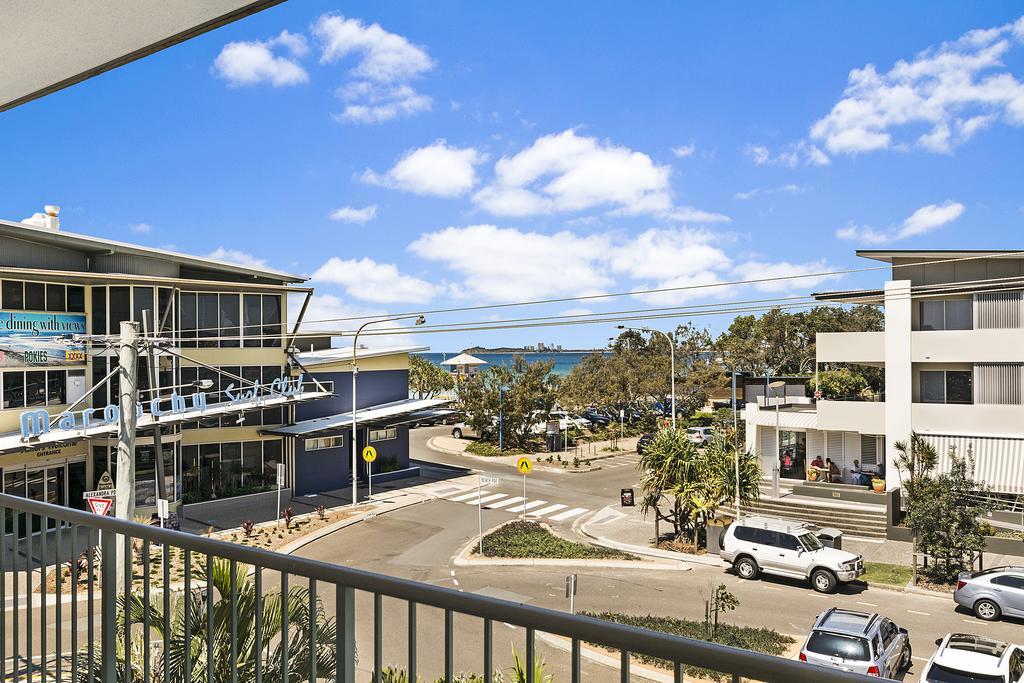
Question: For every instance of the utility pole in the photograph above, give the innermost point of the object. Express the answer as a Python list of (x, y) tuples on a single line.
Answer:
[(124, 503), (154, 394)]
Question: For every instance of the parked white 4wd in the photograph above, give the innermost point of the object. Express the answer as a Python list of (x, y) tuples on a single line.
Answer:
[(786, 548)]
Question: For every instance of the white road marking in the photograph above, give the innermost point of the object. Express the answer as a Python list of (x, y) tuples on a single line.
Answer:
[(527, 506), (568, 514), (920, 659), (979, 622), (465, 496), (549, 509), (484, 500), (509, 501), (771, 588), (867, 604), (923, 614), (455, 581)]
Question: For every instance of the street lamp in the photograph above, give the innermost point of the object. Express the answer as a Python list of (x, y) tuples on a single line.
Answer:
[(775, 386), (672, 355), (355, 372)]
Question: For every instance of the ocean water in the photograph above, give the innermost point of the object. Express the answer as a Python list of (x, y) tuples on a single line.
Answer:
[(564, 362)]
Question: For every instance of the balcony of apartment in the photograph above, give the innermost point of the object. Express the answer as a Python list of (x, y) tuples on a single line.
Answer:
[(968, 419), (966, 346), (864, 416), (865, 348)]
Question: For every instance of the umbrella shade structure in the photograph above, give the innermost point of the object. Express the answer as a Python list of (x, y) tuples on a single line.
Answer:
[(463, 364)]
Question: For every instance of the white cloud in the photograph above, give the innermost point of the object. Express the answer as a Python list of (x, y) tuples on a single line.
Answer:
[(141, 228), (755, 270), (328, 312), (664, 254), (379, 90), (791, 188), (350, 214), (954, 90), (925, 219), (576, 312), (252, 62), (793, 155), (236, 256), (683, 151), (688, 214), (368, 280), (438, 170)]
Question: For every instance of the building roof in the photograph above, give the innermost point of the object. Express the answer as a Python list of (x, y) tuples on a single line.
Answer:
[(887, 255), (343, 354), (394, 412), (98, 245), (48, 46), (464, 359)]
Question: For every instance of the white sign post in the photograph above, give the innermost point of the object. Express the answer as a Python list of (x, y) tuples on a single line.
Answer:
[(481, 482), (280, 483), (570, 592), (162, 510), (369, 455), (524, 466), (622, 422)]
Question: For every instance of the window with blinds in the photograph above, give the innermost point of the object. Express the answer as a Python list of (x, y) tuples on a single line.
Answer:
[(868, 449), (998, 310), (998, 383)]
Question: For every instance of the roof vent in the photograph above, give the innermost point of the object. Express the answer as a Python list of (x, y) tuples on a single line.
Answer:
[(47, 220)]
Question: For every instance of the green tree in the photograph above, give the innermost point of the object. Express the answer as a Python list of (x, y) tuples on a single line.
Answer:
[(917, 458), (427, 380), (241, 667), (528, 396), (842, 384)]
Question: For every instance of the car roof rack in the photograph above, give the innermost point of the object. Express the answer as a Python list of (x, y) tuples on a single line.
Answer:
[(871, 620)]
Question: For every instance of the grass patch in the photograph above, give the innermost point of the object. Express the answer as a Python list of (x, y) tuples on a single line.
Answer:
[(531, 540), (757, 639), (888, 574), (489, 450)]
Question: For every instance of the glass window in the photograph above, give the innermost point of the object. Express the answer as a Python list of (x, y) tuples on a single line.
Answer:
[(744, 533), (252, 464), (187, 312), (933, 386), (99, 310), (229, 310), (120, 307), (959, 385), (56, 387), (145, 475), (164, 298), (275, 415), (55, 299), (212, 376), (789, 542), (959, 314), (271, 456), (271, 320), (766, 537), (190, 469), (252, 374), (231, 464), (35, 296), (76, 299), (208, 319), (143, 301), (383, 434), (14, 482), (838, 645), (35, 388), (942, 674), (13, 294), (932, 315), (252, 315), (14, 389)]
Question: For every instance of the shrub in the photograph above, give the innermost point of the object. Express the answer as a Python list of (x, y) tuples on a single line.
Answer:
[(321, 512), (529, 539), (248, 527), (287, 515)]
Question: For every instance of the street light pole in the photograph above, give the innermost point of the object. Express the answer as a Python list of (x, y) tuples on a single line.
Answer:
[(672, 360), (355, 372), (778, 437), (501, 418)]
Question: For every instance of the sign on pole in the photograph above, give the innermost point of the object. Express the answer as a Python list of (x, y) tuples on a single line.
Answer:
[(100, 506), (100, 493), (106, 481), (524, 466), (162, 510), (570, 592), (280, 483), (626, 498), (489, 481), (369, 455)]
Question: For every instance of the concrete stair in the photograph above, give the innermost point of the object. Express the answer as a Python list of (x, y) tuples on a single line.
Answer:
[(861, 522)]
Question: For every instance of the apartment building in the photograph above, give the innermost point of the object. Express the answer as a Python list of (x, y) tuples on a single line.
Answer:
[(217, 316), (952, 354)]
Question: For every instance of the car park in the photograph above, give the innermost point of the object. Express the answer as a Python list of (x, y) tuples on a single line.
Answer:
[(597, 418), (701, 436), (992, 593), (786, 548), (644, 442), (861, 642), (966, 658)]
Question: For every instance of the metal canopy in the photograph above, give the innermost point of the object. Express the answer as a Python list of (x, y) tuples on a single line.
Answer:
[(394, 413), (47, 46)]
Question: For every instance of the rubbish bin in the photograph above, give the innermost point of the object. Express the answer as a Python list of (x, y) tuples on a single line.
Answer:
[(831, 538)]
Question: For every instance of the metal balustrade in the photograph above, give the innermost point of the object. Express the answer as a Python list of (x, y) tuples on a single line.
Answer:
[(218, 614)]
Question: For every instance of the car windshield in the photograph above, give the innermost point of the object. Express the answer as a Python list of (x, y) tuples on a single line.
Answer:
[(838, 645), (810, 542), (943, 674)]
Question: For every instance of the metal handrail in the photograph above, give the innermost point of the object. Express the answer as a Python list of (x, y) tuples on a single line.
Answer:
[(629, 639)]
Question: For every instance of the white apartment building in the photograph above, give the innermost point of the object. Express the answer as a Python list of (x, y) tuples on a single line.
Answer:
[(953, 359)]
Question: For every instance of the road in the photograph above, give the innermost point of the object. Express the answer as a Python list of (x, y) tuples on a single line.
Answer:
[(420, 542)]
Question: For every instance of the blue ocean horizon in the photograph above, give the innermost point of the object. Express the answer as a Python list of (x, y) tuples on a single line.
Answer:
[(564, 361)]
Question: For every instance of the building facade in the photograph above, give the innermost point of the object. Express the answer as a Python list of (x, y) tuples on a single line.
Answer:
[(952, 354)]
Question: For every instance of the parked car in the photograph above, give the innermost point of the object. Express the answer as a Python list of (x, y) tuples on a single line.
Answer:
[(701, 436), (992, 593), (787, 548), (859, 642), (566, 419), (463, 430), (596, 417), (965, 658), (644, 442)]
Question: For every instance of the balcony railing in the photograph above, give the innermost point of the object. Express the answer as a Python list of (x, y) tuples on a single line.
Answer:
[(201, 609)]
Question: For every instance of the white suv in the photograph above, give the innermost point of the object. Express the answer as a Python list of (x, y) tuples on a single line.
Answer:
[(702, 436), (786, 548), (963, 658)]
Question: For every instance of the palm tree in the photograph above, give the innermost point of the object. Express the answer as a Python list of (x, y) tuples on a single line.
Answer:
[(243, 664), (917, 458)]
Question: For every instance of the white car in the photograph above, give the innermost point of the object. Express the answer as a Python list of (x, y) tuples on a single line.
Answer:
[(787, 548), (701, 436), (965, 658), (566, 420)]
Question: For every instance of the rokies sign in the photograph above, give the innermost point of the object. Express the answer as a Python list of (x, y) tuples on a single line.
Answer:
[(35, 423)]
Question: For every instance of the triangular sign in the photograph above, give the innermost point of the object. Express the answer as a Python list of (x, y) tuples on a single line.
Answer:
[(99, 505)]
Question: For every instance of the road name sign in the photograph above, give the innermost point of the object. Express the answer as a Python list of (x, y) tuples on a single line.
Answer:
[(100, 493), (489, 481), (100, 505), (524, 465), (369, 454)]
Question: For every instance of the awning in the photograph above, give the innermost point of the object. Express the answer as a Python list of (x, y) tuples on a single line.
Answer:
[(390, 414), (14, 442)]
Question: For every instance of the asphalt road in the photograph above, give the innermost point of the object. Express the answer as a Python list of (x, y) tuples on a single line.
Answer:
[(420, 542)]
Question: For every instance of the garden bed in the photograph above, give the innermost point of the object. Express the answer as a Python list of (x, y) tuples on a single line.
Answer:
[(522, 540), (887, 574)]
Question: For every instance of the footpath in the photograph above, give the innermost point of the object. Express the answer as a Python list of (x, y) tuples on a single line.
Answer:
[(593, 452)]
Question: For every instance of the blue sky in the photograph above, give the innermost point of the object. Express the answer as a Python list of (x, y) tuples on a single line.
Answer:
[(474, 153)]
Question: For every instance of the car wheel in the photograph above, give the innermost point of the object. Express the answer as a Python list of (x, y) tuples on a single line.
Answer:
[(907, 659), (823, 581), (747, 568), (987, 610), (457, 433)]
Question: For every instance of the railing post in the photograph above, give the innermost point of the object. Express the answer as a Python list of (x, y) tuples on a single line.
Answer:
[(345, 657), (108, 606)]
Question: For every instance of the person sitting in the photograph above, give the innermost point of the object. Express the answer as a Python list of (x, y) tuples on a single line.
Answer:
[(859, 476), (817, 463), (832, 475)]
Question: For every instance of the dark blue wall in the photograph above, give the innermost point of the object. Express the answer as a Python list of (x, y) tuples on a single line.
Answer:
[(375, 387)]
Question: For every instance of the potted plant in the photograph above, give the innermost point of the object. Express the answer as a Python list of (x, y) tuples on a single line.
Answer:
[(878, 485)]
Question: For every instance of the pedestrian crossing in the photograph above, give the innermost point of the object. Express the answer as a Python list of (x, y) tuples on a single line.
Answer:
[(620, 461), (516, 505)]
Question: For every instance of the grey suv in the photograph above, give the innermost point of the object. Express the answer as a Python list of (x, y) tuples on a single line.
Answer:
[(992, 593), (859, 642)]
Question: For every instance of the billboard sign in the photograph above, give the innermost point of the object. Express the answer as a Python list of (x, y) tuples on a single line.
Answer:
[(41, 339)]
